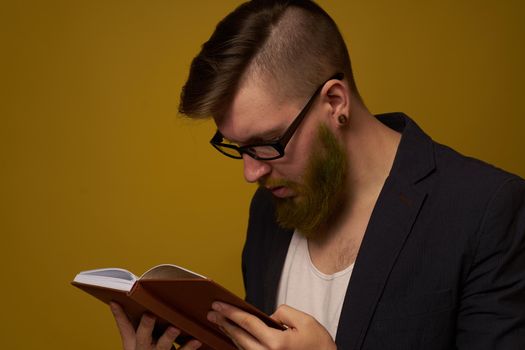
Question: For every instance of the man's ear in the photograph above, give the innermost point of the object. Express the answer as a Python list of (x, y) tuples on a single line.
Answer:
[(336, 95)]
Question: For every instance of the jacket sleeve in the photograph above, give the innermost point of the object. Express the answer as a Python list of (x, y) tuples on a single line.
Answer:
[(491, 314)]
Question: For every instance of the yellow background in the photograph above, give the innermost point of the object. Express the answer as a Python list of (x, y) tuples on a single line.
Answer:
[(97, 169)]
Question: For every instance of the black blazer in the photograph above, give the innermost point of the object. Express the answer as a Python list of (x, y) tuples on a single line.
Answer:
[(442, 262)]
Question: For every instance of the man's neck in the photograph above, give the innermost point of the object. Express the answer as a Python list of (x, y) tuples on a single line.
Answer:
[(371, 147)]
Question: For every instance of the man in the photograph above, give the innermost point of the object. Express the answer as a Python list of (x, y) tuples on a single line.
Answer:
[(364, 234)]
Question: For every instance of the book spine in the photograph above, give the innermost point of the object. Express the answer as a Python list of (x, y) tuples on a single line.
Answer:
[(179, 320)]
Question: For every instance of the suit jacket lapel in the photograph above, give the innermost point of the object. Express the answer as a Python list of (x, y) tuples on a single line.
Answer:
[(388, 229)]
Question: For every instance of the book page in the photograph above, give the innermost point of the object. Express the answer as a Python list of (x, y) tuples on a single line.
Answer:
[(168, 271), (113, 278)]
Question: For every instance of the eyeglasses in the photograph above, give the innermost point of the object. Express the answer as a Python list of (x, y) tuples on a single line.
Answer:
[(267, 150)]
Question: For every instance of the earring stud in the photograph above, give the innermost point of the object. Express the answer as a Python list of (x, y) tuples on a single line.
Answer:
[(342, 119)]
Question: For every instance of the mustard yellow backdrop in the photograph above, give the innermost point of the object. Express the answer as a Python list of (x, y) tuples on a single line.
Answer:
[(97, 169)]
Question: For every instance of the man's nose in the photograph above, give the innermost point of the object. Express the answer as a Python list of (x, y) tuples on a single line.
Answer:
[(254, 169)]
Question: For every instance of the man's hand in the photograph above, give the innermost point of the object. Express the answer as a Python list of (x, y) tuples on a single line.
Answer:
[(141, 339), (250, 333)]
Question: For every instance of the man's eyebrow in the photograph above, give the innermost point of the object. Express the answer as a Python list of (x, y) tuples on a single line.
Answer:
[(268, 135), (265, 136)]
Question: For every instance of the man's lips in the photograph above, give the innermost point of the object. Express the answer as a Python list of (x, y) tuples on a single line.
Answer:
[(280, 191)]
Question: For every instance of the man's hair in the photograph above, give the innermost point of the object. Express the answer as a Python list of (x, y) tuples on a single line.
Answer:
[(292, 44)]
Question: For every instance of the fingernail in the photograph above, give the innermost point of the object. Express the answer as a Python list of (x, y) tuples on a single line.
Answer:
[(172, 331), (216, 306), (196, 344), (212, 317), (149, 318)]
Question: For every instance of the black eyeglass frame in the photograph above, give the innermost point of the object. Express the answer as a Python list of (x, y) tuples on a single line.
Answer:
[(278, 145)]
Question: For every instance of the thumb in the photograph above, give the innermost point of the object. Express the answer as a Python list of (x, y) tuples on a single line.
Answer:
[(291, 317)]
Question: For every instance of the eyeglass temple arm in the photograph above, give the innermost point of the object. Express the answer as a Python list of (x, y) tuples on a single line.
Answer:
[(286, 137)]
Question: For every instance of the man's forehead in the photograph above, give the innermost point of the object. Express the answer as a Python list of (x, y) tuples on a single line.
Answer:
[(256, 112)]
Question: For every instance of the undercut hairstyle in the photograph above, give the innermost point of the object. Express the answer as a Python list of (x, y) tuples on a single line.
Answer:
[(293, 45)]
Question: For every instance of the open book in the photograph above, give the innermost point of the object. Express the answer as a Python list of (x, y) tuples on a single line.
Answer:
[(175, 295)]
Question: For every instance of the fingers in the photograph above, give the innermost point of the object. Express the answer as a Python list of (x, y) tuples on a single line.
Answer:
[(247, 330), (241, 338), (291, 317), (304, 331), (126, 329), (245, 320), (142, 337), (191, 345), (144, 331), (167, 338)]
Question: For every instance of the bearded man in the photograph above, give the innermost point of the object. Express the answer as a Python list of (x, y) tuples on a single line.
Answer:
[(365, 233)]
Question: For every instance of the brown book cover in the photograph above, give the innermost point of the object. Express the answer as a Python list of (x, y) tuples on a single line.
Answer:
[(175, 295)]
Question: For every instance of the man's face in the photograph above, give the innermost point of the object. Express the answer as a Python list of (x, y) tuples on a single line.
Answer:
[(307, 181)]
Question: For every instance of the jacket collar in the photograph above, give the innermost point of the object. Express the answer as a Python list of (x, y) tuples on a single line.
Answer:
[(415, 155)]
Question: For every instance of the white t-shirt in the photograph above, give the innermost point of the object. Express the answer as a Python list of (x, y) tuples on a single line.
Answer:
[(305, 288)]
